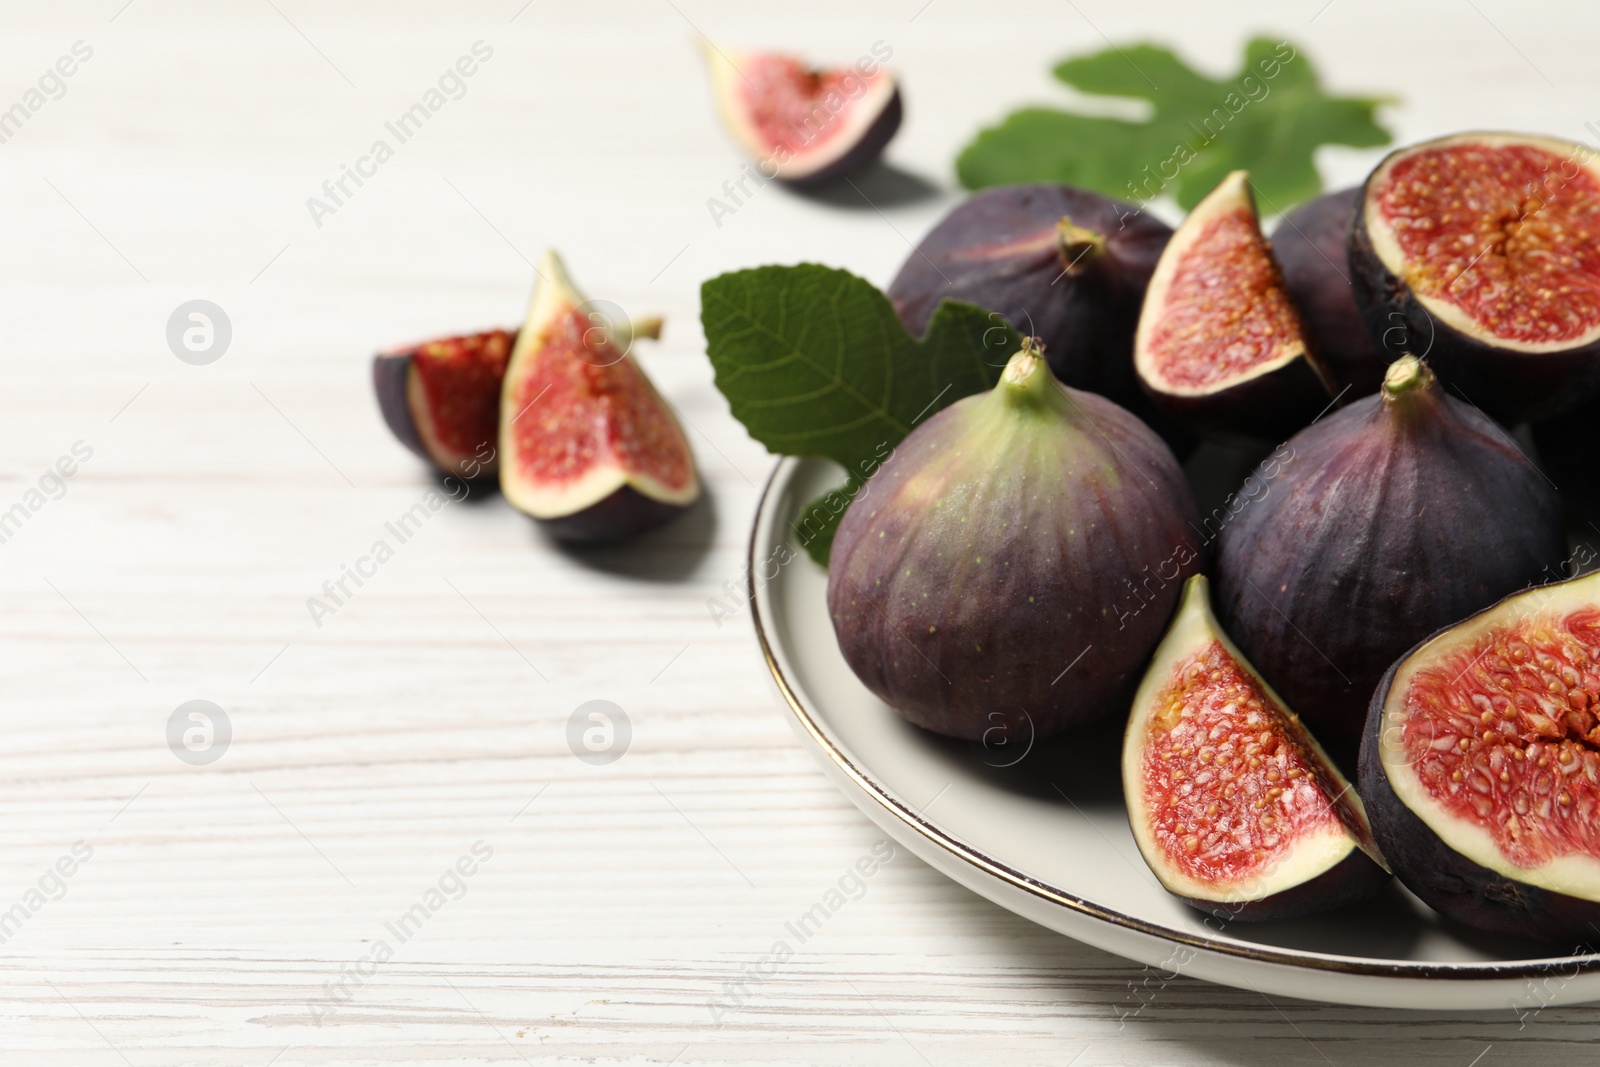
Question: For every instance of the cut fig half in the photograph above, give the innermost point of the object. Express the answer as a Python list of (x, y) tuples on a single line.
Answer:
[(1481, 766), (587, 445), (1481, 251), (803, 125), (1220, 345), (442, 398), (1234, 805)]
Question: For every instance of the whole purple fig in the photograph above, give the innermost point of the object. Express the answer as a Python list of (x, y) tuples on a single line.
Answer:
[(1398, 515), (1065, 265), (1013, 563)]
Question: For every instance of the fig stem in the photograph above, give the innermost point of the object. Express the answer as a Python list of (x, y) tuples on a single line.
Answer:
[(1028, 382), (1407, 374), (1079, 246)]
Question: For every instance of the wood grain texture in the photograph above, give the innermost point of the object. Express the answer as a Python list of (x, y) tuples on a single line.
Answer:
[(222, 903)]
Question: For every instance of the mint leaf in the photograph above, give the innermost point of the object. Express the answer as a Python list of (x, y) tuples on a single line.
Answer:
[(1268, 119), (814, 362)]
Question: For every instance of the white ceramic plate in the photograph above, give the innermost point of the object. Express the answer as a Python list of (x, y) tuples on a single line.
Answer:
[(1048, 838)]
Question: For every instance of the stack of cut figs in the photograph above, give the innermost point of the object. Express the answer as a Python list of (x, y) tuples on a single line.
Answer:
[(1389, 598)]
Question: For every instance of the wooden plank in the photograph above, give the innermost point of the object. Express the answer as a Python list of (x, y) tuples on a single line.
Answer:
[(225, 908)]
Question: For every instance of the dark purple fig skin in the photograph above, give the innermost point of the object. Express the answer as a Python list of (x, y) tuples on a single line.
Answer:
[(1511, 386), (959, 597), (624, 514), (1262, 410), (390, 372), (868, 147), (1568, 446), (1352, 879), (1443, 878), (1310, 244), (998, 249), (1388, 520)]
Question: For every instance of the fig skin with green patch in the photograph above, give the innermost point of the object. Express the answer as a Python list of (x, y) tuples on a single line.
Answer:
[(1012, 563), (1507, 313), (1310, 244), (1233, 804), (1386, 520), (1541, 883)]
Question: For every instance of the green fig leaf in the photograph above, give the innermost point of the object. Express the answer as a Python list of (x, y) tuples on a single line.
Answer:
[(814, 362), (817, 524), (1269, 119)]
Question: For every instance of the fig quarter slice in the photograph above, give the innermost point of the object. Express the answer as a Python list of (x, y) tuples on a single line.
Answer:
[(802, 125), (1220, 346), (442, 398), (1481, 766), (587, 445), (1234, 805)]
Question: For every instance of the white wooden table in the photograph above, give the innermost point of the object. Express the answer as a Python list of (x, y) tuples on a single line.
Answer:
[(234, 913)]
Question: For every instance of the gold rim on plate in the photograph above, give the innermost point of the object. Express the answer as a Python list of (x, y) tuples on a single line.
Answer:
[(1567, 967)]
